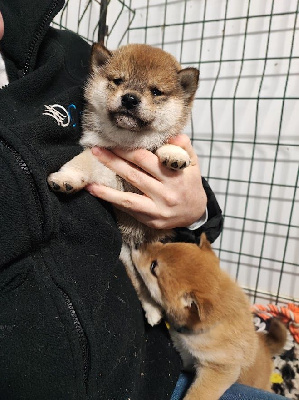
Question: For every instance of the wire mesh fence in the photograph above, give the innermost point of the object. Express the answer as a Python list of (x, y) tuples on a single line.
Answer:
[(245, 120)]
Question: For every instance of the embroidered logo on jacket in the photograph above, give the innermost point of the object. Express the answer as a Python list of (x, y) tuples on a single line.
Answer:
[(64, 117)]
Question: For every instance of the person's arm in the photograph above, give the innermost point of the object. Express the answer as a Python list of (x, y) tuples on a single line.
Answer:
[(169, 199)]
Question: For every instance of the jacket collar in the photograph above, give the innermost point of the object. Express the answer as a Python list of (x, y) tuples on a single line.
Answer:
[(25, 25)]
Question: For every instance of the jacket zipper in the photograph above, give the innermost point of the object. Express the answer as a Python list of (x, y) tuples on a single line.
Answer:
[(81, 335), (37, 36), (26, 171), (68, 306), (78, 327)]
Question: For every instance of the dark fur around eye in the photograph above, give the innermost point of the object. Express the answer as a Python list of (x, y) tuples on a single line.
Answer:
[(117, 81), (156, 92), (154, 264)]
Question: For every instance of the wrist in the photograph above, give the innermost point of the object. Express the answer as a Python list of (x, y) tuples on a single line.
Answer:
[(197, 224)]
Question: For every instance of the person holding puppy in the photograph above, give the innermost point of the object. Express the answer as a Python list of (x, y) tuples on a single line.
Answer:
[(71, 326)]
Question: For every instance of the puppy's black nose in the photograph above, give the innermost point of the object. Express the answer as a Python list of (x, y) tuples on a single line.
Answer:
[(129, 101)]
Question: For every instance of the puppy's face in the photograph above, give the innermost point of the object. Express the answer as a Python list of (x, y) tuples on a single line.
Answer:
[(140, 94), (184, 279)]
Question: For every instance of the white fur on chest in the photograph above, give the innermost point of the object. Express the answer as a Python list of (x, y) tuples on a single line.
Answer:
[(205, 347)]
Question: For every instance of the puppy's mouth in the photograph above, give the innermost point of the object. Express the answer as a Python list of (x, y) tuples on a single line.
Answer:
[(126, 120)]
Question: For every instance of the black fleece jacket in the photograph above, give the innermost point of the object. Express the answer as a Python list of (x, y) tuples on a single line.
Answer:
[(71, 326)]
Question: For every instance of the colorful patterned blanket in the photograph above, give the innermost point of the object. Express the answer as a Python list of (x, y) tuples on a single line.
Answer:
[(285, 376)]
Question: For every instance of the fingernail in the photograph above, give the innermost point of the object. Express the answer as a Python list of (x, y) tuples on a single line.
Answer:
[(96, 151), (89, 188)]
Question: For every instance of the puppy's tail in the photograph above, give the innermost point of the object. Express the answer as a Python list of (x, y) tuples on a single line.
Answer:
[(276, 337)]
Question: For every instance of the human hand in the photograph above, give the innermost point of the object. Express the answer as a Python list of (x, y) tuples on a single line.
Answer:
[(170, 198), (1, 26)]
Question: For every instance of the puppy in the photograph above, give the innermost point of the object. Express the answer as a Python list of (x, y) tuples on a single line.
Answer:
[(136, 97), (210, 320)]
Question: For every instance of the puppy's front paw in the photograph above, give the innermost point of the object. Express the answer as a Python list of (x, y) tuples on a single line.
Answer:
[(153, 314), (66, 182), (173, 157)]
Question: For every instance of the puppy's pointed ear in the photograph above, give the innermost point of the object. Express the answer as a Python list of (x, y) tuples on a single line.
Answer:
[(189, 78), (99, 56), (199, 308), (204, 244), (190, 302)]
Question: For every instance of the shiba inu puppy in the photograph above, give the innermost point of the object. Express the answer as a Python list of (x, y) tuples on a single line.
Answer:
[(137, 97), (210, 320)]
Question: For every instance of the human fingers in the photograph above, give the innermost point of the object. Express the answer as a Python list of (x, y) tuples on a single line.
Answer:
[(162, 202), (178, 204), (1, 26), (170, 197), (132, 173), (137, 205), (147, 161)]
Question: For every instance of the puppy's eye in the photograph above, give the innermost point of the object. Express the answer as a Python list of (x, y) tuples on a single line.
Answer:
[(117, 81), (154, 264), (156, 92)]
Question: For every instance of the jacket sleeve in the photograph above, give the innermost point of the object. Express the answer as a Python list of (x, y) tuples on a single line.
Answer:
[(212, 227)]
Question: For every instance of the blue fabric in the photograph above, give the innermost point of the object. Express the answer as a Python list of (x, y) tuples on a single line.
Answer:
[(235, 392)]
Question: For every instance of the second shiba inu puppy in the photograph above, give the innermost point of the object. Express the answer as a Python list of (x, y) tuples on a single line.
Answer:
[(137, 97), (210, 320)]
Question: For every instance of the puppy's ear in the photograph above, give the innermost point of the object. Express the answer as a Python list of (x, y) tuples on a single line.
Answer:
[(99, 56), (199, 308), (190, 302), (204, 244), (189, 78)]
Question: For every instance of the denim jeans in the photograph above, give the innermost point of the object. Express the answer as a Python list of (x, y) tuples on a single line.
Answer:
[(235, 392)]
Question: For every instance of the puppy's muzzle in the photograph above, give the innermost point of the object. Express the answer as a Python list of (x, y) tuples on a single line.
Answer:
[(130, 101)]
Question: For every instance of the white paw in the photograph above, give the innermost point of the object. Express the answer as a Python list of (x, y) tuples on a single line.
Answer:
[(153, 314), (173, 157), (67, 182)]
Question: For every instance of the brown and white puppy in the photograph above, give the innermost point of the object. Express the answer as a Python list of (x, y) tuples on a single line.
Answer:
[(137, 97), (210, 320)]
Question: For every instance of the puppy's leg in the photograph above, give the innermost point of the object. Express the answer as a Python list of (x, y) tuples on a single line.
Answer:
[(79, 172), (173, 157), (212, 381), (153, 312)]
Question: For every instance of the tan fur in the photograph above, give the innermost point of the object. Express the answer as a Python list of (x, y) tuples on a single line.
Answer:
[(137, 97), (210, 320)]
